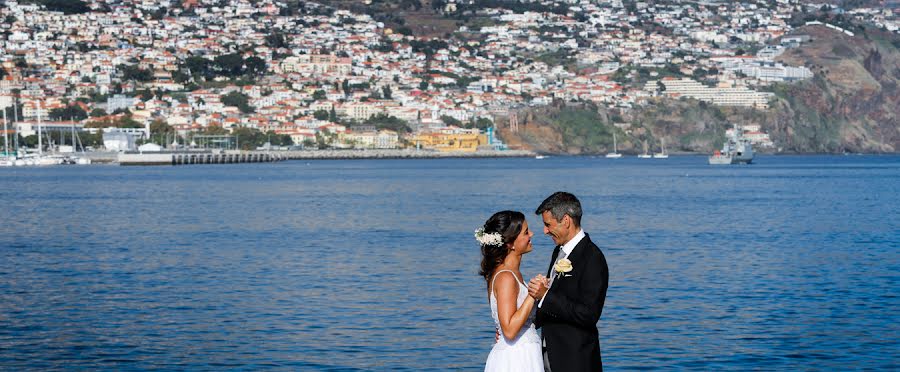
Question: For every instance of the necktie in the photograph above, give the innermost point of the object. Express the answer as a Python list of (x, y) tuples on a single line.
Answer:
[(560, 255), (553, 273)]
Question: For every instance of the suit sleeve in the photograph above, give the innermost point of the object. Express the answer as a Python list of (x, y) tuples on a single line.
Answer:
[(584, 311)]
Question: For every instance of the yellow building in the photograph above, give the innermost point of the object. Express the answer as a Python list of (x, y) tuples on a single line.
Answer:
[(464, 142)]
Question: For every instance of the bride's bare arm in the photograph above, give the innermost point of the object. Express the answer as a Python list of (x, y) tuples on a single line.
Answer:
[(506, 289)]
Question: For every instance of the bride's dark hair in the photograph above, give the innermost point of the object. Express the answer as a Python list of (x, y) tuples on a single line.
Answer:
[(508, 224)]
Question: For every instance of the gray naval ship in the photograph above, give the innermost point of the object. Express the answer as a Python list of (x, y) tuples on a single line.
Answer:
[(736, 150)]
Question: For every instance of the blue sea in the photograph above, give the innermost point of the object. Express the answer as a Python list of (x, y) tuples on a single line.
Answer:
[(792, 263)]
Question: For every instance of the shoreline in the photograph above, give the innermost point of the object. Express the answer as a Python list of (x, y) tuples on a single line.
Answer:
[(112, 158), (399, 154)]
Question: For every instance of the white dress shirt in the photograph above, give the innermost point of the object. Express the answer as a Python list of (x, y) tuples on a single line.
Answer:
[(563, 253)]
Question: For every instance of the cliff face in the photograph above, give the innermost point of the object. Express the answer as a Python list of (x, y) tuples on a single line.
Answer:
[(850, 105)]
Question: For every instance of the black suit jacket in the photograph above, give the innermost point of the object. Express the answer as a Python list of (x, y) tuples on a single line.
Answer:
[(571, 309)]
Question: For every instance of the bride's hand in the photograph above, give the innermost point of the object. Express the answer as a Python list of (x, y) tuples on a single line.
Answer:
[(537, 286)]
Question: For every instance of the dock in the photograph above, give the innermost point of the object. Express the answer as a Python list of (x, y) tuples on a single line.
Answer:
[(231, 157), (186, 158)]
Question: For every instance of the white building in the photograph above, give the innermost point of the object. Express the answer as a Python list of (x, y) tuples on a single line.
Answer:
[(734, 96)]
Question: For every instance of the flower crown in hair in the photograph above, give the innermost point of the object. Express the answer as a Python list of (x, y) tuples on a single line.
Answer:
[(488, 239)]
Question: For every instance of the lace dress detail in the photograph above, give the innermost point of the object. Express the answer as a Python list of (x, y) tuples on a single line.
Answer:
[(522, 353)]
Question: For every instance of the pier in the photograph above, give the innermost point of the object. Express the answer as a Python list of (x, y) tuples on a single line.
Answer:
[(186, 158), (230, 157)]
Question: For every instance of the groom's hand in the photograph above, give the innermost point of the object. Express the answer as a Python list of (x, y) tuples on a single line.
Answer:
[(537, 287)]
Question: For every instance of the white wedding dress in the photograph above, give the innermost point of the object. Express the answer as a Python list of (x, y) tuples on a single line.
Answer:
[(523, 353)]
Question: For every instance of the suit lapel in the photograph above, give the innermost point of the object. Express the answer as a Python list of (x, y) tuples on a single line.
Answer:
[(575, 257), (553, 259)]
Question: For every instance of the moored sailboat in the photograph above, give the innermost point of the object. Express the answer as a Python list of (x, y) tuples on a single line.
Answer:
[(615, 154)]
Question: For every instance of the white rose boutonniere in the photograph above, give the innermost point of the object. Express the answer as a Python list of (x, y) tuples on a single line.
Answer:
[(562, 267)]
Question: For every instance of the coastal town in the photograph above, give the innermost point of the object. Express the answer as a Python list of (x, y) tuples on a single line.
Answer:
[(120, 75)]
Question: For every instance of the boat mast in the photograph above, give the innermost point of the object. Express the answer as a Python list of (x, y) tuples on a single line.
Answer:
[(5, 135), (15, 122), (615, 148), (40, 142)]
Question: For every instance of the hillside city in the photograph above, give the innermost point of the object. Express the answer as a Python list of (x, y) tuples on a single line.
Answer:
[(304, 74)]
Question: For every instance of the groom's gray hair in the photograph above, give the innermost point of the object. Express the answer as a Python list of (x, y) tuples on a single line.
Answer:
[(560, 204)]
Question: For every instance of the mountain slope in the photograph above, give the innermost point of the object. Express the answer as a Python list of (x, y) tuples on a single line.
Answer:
[(850, 105)]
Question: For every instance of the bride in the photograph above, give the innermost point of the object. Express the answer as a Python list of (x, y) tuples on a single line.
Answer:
[(504, 239)]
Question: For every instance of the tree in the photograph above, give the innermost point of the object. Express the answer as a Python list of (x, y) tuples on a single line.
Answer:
[(319, 95), (135, 73), (199, 66), (386, 91), (382, 121), (98, 112), (332, 115), (145, 94), (180, 76), (345, 85), (483, 123), (65, 6), (73, 112), (255, 65), (230, 65), (160, 126), (159, 131), (450, 121), (239, 100), (275, 40), (30, 141), (321, 115)]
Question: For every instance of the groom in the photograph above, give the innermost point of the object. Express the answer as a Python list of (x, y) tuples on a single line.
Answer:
[(571, 297)]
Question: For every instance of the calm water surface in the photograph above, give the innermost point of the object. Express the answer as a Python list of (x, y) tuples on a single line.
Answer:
[(792, 263)]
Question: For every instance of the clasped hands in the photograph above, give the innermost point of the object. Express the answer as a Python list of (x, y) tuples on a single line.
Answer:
[(538, 286)]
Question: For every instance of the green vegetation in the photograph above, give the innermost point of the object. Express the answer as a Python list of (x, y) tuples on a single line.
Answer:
[(233, 66), (250, 138), (122, 121), (583, 129), (450, 121), (465, 9), (480, 123), (382, 121), (73, 112), (135, 73), (638, 76), (321, 115), (65, 6), (239, 100), (560, 57)]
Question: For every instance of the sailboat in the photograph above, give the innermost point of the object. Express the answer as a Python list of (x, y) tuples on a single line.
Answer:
[(40, 158), (663, 154), (7, 160), (615, 154), (646, 154)]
